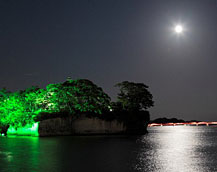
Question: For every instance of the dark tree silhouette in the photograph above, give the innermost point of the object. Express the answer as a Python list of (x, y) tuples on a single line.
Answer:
[(134, 96)]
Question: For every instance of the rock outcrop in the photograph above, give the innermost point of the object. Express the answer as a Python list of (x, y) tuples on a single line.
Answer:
[(81, 126), (111, 123)]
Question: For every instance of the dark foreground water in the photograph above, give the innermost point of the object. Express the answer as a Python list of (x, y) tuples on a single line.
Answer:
[(166, 149)]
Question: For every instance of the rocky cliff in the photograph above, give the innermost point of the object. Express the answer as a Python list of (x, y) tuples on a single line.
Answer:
[(111, 123), (81, 126)]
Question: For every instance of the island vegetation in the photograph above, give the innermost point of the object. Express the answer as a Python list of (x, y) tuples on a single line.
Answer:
[(73, 98), (165, 120)]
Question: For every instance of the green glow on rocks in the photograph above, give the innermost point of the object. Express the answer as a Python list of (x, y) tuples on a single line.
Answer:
[(27, 130)]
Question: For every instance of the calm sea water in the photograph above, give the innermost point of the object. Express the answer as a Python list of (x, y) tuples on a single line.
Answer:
[(164, 149)]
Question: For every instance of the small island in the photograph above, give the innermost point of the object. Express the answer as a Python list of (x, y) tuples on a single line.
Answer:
[(165, 120), (75, 107), (177, 122)]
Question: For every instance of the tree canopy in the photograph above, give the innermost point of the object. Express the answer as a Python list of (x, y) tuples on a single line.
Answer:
[(73, 97), (134, 96), (77, 96)]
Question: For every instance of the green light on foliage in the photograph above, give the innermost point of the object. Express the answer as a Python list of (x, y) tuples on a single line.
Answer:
[(27, 130), (22, 108)]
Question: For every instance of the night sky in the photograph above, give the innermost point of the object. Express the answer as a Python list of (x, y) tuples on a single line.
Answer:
[(109, 41)]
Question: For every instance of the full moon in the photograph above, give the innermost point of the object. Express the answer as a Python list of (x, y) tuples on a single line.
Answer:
[(178, 29)]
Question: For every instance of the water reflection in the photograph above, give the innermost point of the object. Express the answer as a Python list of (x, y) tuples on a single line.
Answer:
[(164, 149), (176, 149), (28, 154), (18, 154)]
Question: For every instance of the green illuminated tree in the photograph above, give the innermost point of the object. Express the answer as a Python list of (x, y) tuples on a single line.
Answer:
[(77, 96), (19, 108), (73, 97), (13, 111), (60, 98), (134, 96), (4, 95), (34, 99), (88, 96)]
